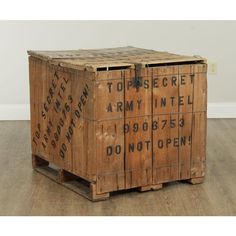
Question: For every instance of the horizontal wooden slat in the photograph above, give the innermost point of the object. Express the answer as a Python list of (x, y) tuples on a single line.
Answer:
[(112, 57)]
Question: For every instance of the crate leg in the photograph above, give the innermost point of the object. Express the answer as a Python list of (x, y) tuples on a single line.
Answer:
[(150, 187), (95, 196), (198, 180), (65, 176), (38, 162)]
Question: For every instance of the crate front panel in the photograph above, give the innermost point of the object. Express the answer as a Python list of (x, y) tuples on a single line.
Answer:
[(173, 97)]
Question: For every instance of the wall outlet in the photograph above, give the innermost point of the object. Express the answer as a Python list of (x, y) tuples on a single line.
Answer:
[(212, 68)]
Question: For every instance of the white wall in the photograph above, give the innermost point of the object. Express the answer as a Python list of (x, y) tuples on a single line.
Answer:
[(214, 40)]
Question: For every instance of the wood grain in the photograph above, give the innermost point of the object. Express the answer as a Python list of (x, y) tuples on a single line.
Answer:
[(122, 119)]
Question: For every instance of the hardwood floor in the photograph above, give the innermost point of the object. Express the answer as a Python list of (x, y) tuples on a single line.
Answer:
[(26, 192)]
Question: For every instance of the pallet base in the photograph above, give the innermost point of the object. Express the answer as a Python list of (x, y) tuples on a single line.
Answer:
[(67, 179), (81, 186)]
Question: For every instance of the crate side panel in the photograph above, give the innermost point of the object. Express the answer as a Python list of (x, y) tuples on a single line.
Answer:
[(60, 104)]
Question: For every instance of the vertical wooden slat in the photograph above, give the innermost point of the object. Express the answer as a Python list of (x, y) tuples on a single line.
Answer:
[(165, 148), (39, 87), (200, 88), (165, 90), (185, 141), (138, 151), (109, 116), (61, 118), (33, 105), (109, 95), (186, 101), (110, 155), (198, 145), (165, 124), (186, 81), (83, 149), (44, 83), (77, 141), (48, 129), (51, 114), (198, 154), (89, 116), (138, 134)]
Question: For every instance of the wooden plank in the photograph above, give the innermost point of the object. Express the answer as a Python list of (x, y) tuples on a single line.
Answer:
[(109, 100), (185, 136), (61, 118), (121, 56), (198, 154), (43, 87), (138, 152), (110, 155), (165, 90), (138, 133), (46, 114), (46, 103), (40, 127), (81, 133), (138, 100), (165, 124), (200, 88), (109, 120), (33, 106), (186, 81), (165, 148)]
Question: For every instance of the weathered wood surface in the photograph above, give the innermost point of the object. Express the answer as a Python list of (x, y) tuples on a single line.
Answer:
[(128, 127), (93, 59)]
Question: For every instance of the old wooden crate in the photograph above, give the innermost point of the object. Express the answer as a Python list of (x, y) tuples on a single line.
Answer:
[(118, 118)]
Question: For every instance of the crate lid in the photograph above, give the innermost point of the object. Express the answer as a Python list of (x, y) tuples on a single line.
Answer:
[(112, 58)]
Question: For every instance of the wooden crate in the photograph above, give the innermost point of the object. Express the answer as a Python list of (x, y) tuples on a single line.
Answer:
[(113, 119)]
